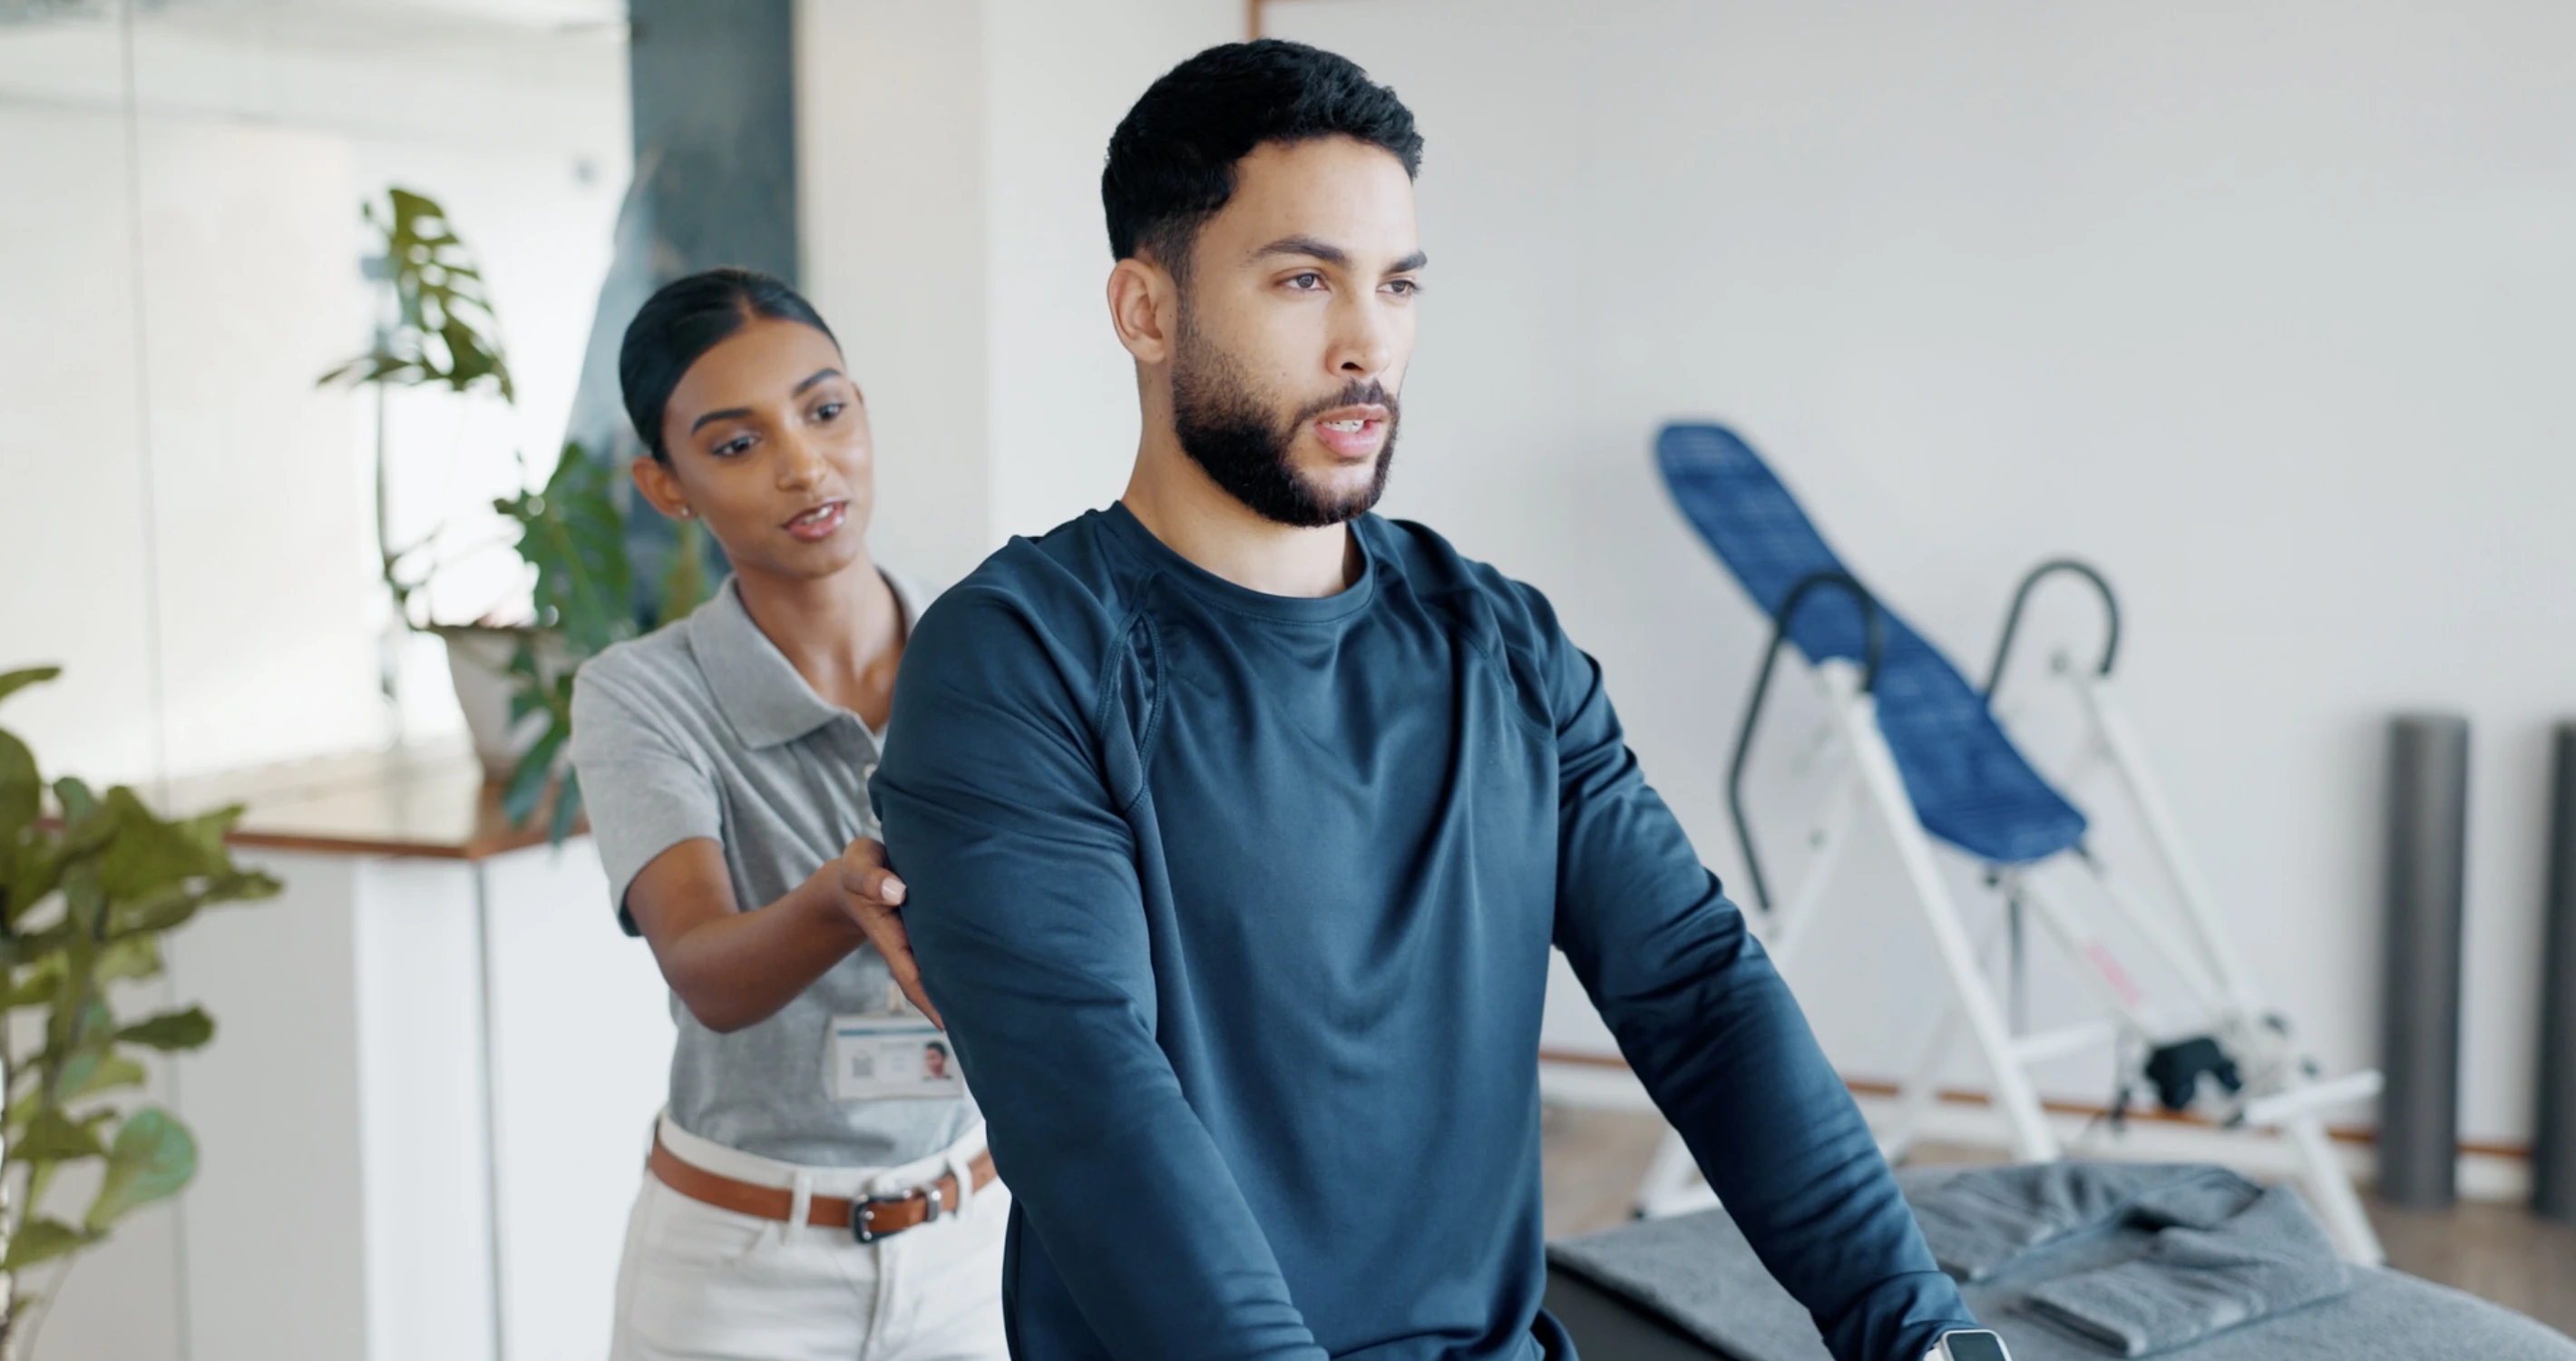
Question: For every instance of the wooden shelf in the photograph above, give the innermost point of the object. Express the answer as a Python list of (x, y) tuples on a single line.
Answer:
[(426, 802)]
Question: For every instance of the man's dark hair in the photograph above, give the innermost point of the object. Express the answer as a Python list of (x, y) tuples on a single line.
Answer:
[(1171, 162), (686, 318)]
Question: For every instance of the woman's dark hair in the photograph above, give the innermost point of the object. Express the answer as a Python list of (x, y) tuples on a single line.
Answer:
[(683, 320), (1171, 161)]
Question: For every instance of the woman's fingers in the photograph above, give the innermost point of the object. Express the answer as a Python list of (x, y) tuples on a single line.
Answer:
[(864, 874), (874, 897)]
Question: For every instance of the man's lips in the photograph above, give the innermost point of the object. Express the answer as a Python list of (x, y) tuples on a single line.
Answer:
[(1352, 432), (819, 523)]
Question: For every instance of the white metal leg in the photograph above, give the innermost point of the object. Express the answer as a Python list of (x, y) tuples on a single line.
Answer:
[(2032, 1140), (2330, 1191), (2163, 829), (1833, 832)]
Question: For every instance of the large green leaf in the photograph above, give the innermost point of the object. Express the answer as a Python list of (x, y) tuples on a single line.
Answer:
[(187, 1029), (439, 296), (42, 1240), (52, 1137), (575, 536), (149, 855), (152, 1159), (79, 803), (11, 682)]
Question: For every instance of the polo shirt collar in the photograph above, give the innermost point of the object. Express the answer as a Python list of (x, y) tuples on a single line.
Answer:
[(760, 691)]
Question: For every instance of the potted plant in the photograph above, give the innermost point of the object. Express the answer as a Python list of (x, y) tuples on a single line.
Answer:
[(439, 334), (86, 897), (573, 531), (513, 681)]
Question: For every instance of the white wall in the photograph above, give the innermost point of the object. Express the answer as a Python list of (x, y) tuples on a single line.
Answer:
[(2262, 308), (950, 165), (233, 568)]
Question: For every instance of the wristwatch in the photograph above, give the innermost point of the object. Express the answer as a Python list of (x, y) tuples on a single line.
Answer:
[(1968, 1344)]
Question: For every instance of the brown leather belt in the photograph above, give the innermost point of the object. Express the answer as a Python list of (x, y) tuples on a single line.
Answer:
[(868, 1220)]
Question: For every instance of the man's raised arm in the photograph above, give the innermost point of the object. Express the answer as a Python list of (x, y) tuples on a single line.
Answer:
[(1027, 917), (1710, 1027)]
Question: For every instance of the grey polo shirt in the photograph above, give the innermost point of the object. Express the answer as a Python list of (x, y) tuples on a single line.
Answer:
[(704, 729)]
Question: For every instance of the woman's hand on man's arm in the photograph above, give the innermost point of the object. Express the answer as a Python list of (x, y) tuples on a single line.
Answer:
[(874, 898)]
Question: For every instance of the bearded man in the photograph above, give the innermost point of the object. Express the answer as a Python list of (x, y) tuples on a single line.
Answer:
[(1237, 823)]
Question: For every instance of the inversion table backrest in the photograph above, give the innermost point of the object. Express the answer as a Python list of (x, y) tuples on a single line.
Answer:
[(1970, 785)]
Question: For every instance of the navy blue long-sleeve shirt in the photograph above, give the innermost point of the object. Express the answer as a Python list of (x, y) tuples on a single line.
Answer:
[(1238, 907)]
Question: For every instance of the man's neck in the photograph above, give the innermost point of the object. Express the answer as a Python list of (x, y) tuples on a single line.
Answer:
[(1179, 504)]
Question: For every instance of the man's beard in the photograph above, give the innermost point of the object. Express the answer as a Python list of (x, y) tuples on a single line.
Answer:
[(1226, 430)]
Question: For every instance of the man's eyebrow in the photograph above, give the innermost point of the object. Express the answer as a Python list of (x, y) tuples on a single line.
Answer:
[(1330, 254), (1307, 246)]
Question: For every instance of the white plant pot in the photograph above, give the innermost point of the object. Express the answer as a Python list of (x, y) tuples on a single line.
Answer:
[(478, 661)]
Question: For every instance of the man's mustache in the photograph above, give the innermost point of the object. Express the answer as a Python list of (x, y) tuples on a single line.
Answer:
[(1354, 393)]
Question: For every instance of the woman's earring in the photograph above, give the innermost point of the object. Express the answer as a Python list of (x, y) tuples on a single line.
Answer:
[(688, 512)]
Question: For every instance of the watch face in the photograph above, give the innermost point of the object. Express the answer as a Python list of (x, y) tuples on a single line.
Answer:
[(1979, 1346)]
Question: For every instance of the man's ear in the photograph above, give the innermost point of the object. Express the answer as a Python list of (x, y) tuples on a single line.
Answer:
[(1145, 307), (655, 480)]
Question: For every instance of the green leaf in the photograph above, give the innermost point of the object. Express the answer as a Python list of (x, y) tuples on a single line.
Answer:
[(42, 1240), (11, 682), (152, 1159), (128, 958), (100, 1073), (189, 1029), (439, 296), (75, 797), (685, 583), (40, 982), (52, 1137), (526, 786), (567, 808), (149, 855), (22, 789)]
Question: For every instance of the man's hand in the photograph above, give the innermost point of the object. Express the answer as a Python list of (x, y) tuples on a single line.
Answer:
[(873, 897)]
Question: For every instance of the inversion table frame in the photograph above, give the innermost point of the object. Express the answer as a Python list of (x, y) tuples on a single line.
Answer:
[(1926, 756)]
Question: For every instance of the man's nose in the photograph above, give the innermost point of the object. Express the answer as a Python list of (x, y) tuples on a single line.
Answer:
[(1364, 339)]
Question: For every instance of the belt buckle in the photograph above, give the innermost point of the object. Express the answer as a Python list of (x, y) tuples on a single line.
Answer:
[(859, 1212)]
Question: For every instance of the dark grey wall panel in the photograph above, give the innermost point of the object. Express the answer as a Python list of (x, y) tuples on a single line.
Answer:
[(714, 92), (2428, 801)]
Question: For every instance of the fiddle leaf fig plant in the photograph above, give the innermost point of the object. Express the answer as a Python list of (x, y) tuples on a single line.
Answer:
[(86, 897)]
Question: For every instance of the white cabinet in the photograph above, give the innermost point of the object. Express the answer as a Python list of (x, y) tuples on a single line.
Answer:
[(425, 1111)]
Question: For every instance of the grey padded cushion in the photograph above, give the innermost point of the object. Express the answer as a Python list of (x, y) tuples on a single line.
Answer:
[(1699, 1273)]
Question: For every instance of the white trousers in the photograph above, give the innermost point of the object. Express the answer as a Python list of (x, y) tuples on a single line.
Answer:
[(699, 1283)]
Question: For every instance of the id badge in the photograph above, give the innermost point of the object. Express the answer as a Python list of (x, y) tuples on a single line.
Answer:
[(879, 1058)]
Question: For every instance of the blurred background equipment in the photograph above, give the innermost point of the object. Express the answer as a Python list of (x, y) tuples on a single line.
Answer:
[(1910, 739), (2553, 1141), (2428, 828)]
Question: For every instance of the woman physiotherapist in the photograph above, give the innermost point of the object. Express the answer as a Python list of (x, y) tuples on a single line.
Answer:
[(818, 1185)]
